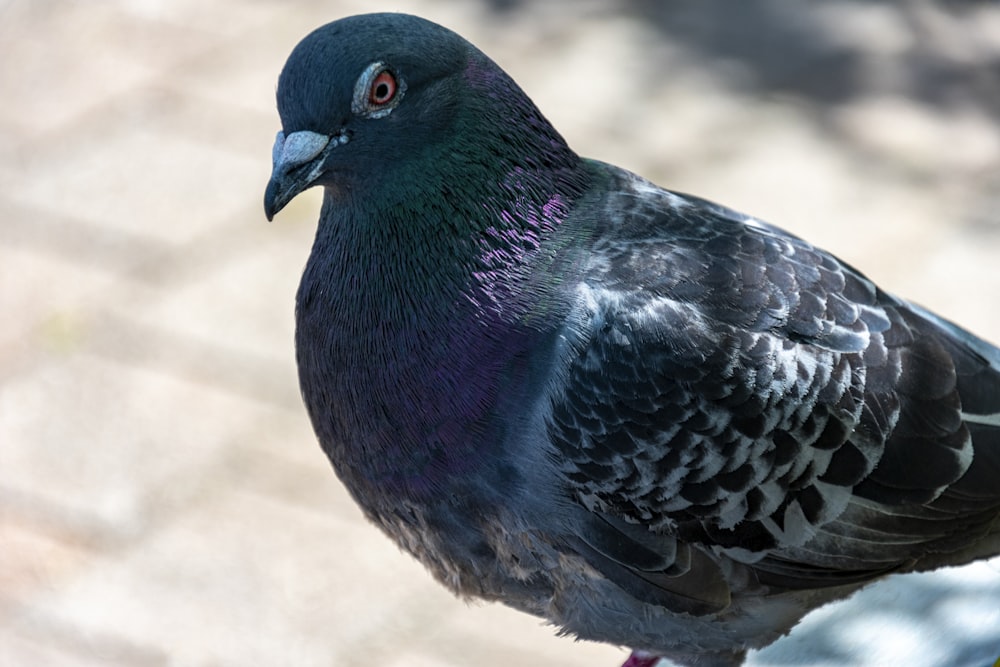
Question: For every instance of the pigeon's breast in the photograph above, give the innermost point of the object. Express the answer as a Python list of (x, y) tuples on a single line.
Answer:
[(406, 400)]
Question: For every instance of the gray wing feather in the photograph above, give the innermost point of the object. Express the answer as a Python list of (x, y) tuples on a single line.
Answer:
[(738, 391)]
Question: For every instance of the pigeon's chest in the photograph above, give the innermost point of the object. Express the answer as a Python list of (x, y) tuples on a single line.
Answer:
[(429, 441), (407, 404)]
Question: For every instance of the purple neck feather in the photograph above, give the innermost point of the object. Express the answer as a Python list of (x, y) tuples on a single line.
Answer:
[(416, 321)]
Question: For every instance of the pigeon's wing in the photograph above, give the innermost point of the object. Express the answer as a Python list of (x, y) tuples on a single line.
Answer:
[(734, 390)]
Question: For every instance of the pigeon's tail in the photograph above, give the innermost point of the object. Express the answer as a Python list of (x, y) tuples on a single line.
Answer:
[(977, 368)]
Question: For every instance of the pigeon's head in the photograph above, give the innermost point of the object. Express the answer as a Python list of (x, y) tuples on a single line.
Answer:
[(381, 100)]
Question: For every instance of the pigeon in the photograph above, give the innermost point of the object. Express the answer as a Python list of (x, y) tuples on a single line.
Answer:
[(644, 417)]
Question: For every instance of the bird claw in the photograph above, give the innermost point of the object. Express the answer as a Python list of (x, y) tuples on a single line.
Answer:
[(641, 659)]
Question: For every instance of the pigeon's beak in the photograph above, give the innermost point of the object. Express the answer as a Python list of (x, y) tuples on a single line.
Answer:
[(297, 161)]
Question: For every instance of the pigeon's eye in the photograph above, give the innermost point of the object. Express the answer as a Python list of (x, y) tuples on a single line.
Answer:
[(383, 89), (378, 91)]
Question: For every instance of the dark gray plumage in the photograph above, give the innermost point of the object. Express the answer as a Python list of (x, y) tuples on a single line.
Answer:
[(647, 418)]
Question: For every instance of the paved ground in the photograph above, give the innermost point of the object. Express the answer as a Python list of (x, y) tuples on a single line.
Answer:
[(162, 498)]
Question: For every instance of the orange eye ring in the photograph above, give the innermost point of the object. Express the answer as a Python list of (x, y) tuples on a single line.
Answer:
[(377, 91), (383, 89)]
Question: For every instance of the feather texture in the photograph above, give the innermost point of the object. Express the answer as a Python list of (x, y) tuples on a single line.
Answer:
[(647, 418)]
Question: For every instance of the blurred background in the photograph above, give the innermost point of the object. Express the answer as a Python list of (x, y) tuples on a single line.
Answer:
[(162, 498)]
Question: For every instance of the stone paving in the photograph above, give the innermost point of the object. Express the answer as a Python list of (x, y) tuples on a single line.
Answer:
[(162, 497)]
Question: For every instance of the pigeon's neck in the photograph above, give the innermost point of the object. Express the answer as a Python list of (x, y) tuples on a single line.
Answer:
[(416, 319)]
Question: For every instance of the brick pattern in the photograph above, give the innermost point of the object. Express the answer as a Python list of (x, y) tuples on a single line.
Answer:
[(162, 498)]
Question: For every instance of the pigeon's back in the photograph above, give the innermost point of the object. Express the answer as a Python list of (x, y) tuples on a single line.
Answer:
[(763, 413)]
